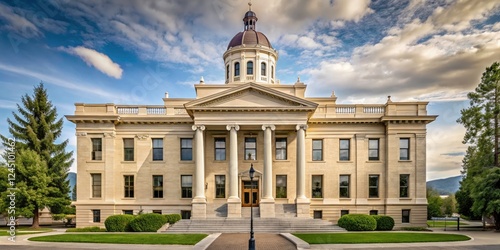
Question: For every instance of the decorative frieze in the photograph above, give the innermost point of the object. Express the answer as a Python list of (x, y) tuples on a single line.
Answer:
[(142, 137)]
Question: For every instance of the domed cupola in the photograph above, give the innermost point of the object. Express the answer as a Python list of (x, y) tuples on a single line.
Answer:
[(250, 56)]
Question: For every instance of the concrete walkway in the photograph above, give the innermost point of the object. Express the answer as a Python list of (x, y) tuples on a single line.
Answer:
[(240, 242)]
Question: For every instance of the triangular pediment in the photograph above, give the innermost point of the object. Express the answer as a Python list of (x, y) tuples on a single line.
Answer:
[(250, 96)]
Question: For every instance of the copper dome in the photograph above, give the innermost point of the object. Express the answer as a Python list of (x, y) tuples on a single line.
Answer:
[(249, 37)]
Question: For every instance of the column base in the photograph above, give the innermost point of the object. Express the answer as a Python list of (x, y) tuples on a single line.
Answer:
[(267, 208), (303, 208), (199, 208), (233, 208)]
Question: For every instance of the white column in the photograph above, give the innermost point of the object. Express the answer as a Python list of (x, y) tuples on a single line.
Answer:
[(233, 161), (267, 208), (199, 203), (268, 162), (200, 162), (302, 202), (301, 161)]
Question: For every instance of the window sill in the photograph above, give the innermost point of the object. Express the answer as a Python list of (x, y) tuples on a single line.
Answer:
[(220, 198), (128, 198), (374, 198), (345, 199), (405, 198), (405, 161), (95, 161), (157, 198), (186, 198), (95, 198), (317, 199), (374, 161), (281, 198), (281, 160), (313, 161)]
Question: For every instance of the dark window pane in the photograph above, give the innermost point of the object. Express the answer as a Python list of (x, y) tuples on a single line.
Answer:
[(237, 69), (344, 186), (220, 149), (250, 68), (186, 149), (281, 149), (317, 150), (96, 185), (373, 149), (281, 186), (373, 189), (220, 186), (317, 186)]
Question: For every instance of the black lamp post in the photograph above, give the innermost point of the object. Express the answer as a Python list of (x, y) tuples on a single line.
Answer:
[(251, 241)]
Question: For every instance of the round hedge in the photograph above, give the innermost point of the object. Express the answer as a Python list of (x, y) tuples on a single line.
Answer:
[(173, 218), (148, 222), (118, 223), (384, 223), (357, 222)]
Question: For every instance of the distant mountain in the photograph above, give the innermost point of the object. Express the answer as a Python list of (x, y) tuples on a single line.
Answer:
[(446, 186), (72, 182)]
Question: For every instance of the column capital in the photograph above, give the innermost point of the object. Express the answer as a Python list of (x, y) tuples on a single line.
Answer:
[(235, 126), (200, 127), (301, 126), (271, 126)]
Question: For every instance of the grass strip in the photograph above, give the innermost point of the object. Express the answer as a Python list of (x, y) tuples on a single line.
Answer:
[(129, 238), (360, 238)]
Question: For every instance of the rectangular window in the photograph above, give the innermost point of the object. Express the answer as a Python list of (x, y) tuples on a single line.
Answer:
[(317, 150), (344, 212), (187, 186), (131, 212), (158, 149), (404, 180), (129, 186), (373, 186), (345, 149), (404, 149), (186, 149), (317, 186), (405, 216), (281, 148), (220, 149), (373, 150), (157, 186), (344, 186), (220, 186), (156, 211), (128, 149), (373, 212), (250, 148), (96, 216), (281, 186), (186, 214), (318, 214), (96, 185), (96, 149)]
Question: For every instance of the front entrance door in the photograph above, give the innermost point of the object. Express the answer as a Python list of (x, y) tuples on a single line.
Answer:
[(247, 195)]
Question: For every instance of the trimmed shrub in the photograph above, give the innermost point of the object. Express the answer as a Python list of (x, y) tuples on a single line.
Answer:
[(118, 223), (384, 222), (86, 229), (172, 218), (147, 222), (357, 222)]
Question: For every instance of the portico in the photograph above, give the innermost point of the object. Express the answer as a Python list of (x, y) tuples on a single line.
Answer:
[(284, 114)]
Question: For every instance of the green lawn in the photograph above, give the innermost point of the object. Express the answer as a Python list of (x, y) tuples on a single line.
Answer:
[(125, 238), (440, 223), (357, 238), (4, 231)]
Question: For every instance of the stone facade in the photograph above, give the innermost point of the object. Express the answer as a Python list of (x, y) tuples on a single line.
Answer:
[(192, 156)]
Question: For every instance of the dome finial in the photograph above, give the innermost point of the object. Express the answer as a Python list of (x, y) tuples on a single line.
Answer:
[(250, 18), (250, 5)]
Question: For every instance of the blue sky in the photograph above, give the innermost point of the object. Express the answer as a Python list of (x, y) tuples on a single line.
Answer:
[(132, 52)]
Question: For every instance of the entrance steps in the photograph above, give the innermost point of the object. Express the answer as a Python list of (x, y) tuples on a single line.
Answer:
[(261, 225)]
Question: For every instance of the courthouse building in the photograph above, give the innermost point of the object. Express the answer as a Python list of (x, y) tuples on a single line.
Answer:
[(313, 157)]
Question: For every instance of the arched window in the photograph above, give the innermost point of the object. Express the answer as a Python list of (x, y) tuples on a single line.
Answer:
[(227, 72), (272, 71), (237, 69), (263, 69), (249, 68)]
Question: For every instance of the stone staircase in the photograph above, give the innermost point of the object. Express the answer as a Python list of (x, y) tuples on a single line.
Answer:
[(261, 225)]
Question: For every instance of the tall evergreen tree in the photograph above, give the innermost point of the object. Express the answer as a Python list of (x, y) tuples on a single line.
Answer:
[(481, 121), (36, 127)]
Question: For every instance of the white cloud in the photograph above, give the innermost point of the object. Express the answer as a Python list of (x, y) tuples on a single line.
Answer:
[(351, 10), (6, 104), (442, 145), (97, 60)]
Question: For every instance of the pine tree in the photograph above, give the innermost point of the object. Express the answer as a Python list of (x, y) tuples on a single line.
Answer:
[(481, 121), (36, 127)]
